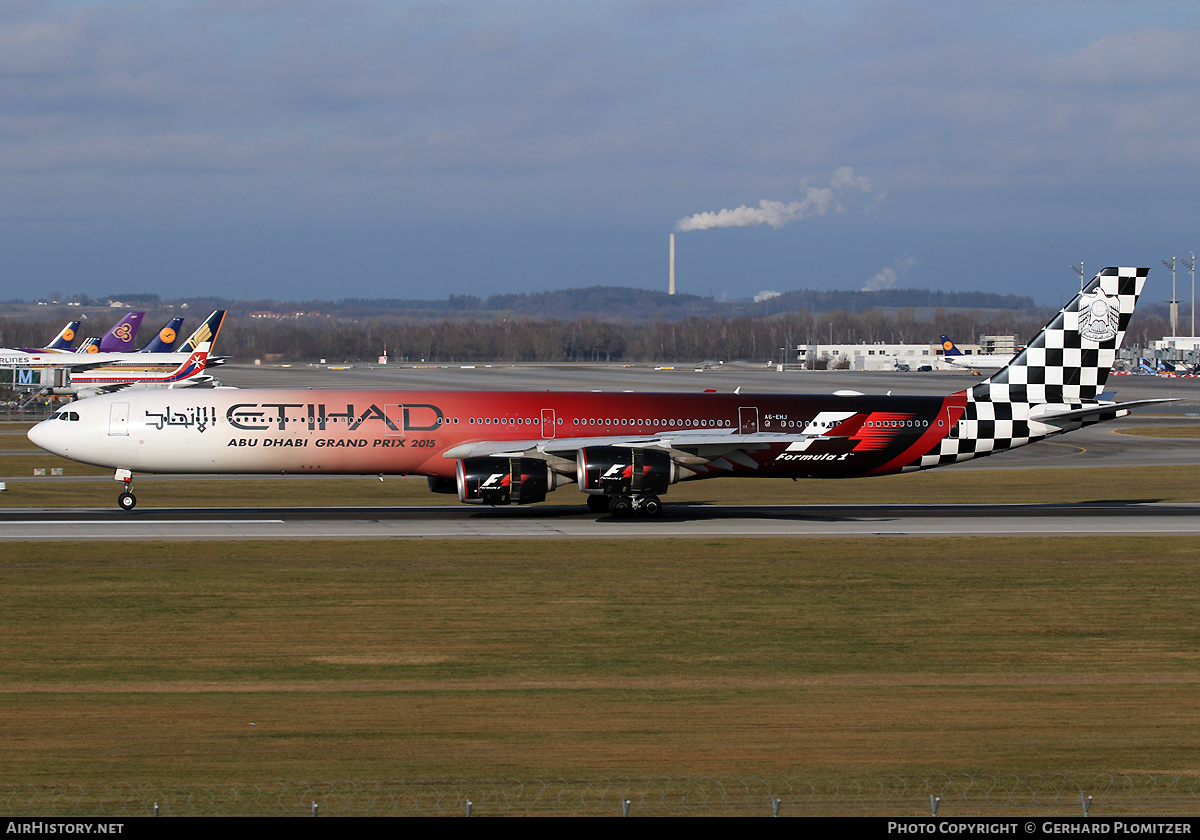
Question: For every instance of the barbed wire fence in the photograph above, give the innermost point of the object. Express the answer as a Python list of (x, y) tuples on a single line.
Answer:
[(948, 795)]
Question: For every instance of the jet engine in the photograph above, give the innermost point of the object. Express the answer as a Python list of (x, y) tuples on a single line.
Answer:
[(441, 484), (622, 471), (504, 481)]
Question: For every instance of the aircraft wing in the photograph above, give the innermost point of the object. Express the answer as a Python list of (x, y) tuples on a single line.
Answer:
[(113, 387), (110, 388), (688, 447), (85, 363), (92, 361)]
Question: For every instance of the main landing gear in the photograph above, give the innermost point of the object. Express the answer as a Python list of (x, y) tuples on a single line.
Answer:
[(126, 501), (623, 507)]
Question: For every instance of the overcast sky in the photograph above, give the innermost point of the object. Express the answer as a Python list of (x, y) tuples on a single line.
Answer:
[(360, 148)]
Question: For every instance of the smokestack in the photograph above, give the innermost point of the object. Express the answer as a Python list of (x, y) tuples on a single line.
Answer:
[(671, 287)]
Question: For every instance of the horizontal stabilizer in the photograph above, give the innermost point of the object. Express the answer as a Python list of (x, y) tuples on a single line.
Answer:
[(1056, 413)]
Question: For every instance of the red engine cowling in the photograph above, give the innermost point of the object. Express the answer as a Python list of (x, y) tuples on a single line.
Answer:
[(503, 481), (622, 471)]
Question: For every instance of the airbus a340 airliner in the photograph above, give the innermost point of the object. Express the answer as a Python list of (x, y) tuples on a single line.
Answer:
[(623, 450)]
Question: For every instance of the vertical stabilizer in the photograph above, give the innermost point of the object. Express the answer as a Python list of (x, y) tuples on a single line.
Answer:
[(206, 332), (1054, 384), (1070, 359), (120, 338), (164, 340), (63, 340)]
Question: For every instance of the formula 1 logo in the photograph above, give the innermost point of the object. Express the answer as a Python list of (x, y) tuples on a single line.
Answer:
[(1098, 317), (617, 471)]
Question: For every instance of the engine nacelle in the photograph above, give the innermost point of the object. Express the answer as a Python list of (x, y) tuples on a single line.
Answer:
[(622, 471), (441, 484), (503, 481)]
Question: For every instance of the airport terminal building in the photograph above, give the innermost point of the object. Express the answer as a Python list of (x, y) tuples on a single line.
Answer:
[(880, 356)]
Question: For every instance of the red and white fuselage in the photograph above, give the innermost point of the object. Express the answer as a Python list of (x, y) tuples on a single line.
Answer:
[(426, 432)]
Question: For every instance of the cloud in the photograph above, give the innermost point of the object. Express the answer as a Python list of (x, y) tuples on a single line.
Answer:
[(816, 202)]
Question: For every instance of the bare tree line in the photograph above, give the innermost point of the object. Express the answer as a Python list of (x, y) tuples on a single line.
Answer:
[(755, 339)]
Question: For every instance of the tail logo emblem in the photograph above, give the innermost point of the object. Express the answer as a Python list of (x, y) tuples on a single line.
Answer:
[(1099, 316)]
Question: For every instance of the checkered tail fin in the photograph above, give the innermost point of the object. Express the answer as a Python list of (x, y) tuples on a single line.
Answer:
[(1070, 359)]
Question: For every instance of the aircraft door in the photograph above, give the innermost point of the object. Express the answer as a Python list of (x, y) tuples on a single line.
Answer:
[(748, 420), (547, 423), (953, 416), (118, 419)]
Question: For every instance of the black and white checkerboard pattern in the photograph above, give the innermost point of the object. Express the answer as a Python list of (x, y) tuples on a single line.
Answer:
[(1061, 366)]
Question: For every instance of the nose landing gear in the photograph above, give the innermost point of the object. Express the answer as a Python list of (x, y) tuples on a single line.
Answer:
[(126, 501)]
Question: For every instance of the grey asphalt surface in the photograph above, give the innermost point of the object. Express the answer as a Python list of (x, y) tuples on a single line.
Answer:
[(573, 521)]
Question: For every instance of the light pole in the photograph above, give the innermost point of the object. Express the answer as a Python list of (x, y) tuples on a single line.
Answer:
[(1079, 271), (1174, 302), (1190, 265)]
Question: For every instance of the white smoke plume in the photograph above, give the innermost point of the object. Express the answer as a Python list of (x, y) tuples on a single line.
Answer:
[(817, 202), (887, 277)]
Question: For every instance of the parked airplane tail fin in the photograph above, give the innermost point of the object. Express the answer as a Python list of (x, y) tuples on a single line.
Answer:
[(63, 340), (165, 338), (1070, 359), (206, 332), (120, 338), (948, 348)]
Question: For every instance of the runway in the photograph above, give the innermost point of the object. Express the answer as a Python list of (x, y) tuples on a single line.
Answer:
[(575, 522)]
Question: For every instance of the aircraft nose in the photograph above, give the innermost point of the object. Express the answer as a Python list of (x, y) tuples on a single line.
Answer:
[(45, 435)]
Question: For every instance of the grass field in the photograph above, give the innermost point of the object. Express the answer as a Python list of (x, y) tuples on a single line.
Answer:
[(469, 660)]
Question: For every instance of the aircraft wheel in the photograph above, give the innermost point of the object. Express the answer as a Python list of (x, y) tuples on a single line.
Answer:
[(597, 504), (620, 507), (127, 501), (650, 506)]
